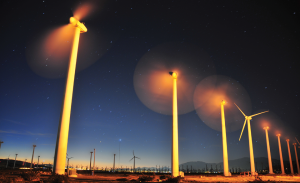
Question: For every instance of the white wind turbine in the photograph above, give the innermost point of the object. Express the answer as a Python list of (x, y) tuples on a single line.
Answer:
[(247, 119)]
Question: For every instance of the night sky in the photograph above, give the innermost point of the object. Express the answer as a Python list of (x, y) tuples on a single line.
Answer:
[(255, 43)]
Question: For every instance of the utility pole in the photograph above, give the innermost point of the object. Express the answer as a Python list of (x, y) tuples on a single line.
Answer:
[(91, 161), (32, 156), (15, 161), (7, 161), (114, 163), (38, 161), (94, 162), (68, 165)]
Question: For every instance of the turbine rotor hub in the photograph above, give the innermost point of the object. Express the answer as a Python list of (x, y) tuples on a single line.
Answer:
[(78, 24)]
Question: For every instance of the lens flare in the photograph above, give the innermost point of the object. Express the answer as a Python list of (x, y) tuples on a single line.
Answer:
[(276, 126), (83, 10), (153, 83), (48, 54), (209, 94)]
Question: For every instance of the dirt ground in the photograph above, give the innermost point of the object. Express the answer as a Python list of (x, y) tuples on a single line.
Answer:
[(192, 178)]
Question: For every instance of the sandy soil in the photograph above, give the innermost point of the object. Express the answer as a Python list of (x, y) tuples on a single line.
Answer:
[(131, 178)]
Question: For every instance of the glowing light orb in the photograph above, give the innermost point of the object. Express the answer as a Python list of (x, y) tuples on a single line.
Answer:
[(48, 54), (153, 83), (209, 94), (277, 126)]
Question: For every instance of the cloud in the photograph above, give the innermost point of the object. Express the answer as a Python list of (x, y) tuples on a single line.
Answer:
[(26, 133), (12, 121)]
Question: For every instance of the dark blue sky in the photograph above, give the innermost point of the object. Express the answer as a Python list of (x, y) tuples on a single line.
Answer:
[(256, 43)]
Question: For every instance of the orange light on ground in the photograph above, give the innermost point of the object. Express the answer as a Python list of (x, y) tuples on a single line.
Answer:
[(208, 95), (63, 128), (280, 153), (152, 81), (269, 152), (295, 147), (290, 157)]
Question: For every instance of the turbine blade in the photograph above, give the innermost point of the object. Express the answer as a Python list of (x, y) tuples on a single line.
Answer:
[(133, 153), (258, 113), (243, 129), (137, 157), (131, 159), (240, 109)]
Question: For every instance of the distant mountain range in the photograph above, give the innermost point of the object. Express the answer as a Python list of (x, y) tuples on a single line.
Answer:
[(242, 163)]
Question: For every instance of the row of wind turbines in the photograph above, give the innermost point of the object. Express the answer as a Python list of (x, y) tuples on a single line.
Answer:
[(63, 128)]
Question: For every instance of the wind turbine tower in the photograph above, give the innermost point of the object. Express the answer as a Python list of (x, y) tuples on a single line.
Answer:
[(64, 122), (134, 161), (91, 160), (15, 161), (1, 143), (224, 140), (290, 157), (175, 156), (32, 156), (114, 163), (38, 161), (269, 152), (247, 120), (280, 153), (295, 147)]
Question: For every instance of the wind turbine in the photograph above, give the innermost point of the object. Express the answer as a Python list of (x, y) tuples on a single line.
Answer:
[(224, 141), (175, 156), (214, 93), (290, 157), (295, 147), (266, 128), (63, 128), (134, 161), (247, 119), (156, 90)]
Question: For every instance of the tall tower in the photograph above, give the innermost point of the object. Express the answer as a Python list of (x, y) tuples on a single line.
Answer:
[(64, 122), (269, 152), (280, 153), (175, 156), (224, 141), (290, 157), (295, 147)]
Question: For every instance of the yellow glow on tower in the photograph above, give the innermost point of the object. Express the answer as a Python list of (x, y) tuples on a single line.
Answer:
[(268, 149), (175, 156), (280, 153), (63, 129), (290, 157), (224, 141)]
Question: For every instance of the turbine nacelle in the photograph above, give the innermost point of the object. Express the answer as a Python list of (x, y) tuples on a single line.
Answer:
[(78, 24), (173, 74), (223, 102)]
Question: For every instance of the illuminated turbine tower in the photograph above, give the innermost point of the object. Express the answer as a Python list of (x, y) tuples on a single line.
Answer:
[(269, 152), (290, 157), (295, 146), (280, 153), (247, 119), (63, 128), (175, 157), (224, 139)]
